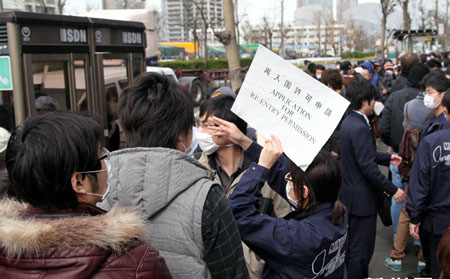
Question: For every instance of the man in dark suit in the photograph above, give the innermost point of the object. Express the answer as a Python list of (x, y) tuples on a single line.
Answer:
[(363, 183)]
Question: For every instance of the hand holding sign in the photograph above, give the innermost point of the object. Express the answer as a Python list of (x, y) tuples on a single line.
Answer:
[(271, 152), (278, 98)]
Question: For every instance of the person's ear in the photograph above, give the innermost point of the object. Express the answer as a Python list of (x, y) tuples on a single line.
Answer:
[(305, 192), (77, 182), (365, 103)]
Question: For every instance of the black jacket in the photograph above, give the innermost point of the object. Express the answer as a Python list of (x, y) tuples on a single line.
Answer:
[(399, 83), (391, 125), (363, 183)]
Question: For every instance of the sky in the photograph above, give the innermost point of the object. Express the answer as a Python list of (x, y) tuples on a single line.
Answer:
[(254, 10)]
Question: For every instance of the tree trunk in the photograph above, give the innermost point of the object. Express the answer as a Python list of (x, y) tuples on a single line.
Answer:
[(231, 47), (383, 34), (407, 23), (205, 42), (282, 52)]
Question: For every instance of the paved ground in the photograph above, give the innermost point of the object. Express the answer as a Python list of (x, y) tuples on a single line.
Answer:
[(383, 246)]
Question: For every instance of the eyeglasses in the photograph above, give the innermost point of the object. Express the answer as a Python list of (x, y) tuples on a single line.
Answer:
[(200, 124), (105, 156), (288, 177)]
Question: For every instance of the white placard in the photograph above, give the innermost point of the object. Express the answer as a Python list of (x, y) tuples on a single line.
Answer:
[(280, 99)]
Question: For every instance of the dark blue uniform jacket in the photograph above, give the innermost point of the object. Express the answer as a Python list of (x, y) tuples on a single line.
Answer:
[(363, 183), (304, 244), (429, 187), (435, 124)]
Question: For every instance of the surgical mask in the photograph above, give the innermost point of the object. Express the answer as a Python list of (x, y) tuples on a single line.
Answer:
[(428, 101), (294, 203), (108, 170), (206, 143), (187, 150)]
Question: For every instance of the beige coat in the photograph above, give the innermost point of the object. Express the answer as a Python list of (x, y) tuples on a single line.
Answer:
[(281, 208)]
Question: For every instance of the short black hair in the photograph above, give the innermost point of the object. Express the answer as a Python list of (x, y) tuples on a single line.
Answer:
[(433, 63), (154, 111), (358, 91), (437, 81), (446, 100), (2, 160), (45, 151), (320, 67), (312, 68), (220, 106)]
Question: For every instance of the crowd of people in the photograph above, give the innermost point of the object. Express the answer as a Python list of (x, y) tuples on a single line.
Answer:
[(209, 197)]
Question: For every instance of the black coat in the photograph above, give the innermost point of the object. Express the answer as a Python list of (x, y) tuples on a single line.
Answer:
[(391, 125), (363, 183), (399, 83)]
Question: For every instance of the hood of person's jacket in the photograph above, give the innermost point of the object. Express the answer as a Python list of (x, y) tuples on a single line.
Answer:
[(157, 176), (368, 65), (64, 244)]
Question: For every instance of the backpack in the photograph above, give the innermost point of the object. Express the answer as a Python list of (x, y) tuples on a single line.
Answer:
[(408, 147)]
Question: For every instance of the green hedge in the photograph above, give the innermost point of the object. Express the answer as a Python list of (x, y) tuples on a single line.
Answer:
[(196, 64), (356, 54)]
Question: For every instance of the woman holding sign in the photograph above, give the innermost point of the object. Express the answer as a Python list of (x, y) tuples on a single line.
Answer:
[(310, 242)]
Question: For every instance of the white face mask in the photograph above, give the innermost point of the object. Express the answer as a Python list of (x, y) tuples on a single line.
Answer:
[(187, 150), (206, 143), (108, 169), (294, 203), (428, 101)]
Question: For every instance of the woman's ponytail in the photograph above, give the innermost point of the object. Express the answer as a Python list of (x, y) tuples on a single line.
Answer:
[(338, 215)]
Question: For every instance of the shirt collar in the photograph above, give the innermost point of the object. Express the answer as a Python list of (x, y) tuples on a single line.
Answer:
[(363, 115)]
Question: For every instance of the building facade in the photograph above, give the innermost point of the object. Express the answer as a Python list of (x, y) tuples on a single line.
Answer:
[(182, 17), (36, 6), (123, 4), (307, 40)]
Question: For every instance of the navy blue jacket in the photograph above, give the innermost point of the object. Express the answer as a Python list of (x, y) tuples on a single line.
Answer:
[(363, 183), (304, 244), (429, 185), (435, 124)]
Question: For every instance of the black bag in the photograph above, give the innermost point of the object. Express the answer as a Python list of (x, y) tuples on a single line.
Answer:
[(385, 211)]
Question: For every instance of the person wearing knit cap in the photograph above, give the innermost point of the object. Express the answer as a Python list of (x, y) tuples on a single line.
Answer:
[(387, 78)]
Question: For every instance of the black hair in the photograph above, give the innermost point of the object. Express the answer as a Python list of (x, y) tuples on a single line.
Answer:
[(312, 68), (358, 91), (446, 100), (437, 81), (320, 67), (154, 111), (45, 152), (433, 63), (220, 106), (323, 178), (2, 160)]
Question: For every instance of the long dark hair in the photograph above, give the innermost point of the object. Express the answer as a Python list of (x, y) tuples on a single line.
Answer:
[(323, 178)]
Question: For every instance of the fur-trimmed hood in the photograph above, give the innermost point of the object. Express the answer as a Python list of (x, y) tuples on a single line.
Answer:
[(116, 230)]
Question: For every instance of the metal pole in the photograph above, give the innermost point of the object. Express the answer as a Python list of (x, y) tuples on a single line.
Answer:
[(20, 103)]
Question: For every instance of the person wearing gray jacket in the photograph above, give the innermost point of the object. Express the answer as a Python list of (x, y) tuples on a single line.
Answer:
[(417, 112), (190, 221)]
